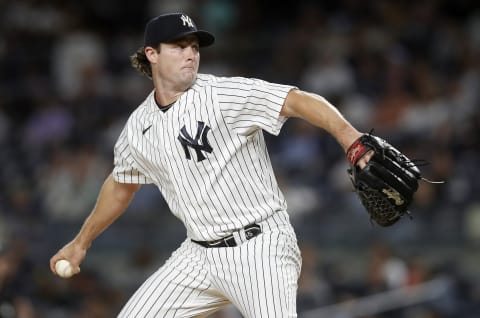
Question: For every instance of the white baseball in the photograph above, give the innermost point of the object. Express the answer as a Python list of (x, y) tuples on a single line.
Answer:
[(64, 268)]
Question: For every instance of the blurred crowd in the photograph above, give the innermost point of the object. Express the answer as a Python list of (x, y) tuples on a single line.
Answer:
[(409, 70)]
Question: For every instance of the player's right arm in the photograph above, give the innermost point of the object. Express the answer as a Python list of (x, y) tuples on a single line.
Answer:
[(113, 200)]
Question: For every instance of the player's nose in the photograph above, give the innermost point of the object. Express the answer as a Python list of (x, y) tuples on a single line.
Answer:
[(191, 52)]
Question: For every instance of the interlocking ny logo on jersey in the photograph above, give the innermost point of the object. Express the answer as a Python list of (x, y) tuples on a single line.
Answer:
[(201, 136)]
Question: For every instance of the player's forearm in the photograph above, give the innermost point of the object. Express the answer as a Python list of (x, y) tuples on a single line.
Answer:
[(113, 200), (319, 112)]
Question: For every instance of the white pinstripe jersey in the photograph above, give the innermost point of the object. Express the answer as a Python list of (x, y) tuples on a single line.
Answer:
[(207, 154)]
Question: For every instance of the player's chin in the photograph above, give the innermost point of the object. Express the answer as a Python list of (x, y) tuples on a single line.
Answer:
[(189, 75)]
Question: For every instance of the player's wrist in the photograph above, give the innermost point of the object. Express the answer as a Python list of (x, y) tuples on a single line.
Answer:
[(346, 135), (82, 243)]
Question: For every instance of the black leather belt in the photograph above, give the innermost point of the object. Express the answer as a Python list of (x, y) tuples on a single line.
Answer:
[(250, 231)]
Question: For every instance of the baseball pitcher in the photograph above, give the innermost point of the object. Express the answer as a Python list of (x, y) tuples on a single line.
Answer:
[(199, 139)]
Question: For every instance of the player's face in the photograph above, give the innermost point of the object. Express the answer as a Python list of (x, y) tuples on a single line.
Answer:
[(178, 62)]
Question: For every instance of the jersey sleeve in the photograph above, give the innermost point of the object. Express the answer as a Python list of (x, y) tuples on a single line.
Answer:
[(252, 104), (124, 170)]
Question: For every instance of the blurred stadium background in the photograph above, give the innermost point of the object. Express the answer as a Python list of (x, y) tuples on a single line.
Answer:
[(409, 69)]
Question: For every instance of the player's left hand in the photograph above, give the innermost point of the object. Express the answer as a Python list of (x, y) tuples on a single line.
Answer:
[(384, 178), (362, 162)]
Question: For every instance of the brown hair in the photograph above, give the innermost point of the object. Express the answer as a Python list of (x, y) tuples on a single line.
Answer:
[(141, 63)]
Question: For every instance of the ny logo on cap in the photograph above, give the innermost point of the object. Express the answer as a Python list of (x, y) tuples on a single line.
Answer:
[(186, 20)]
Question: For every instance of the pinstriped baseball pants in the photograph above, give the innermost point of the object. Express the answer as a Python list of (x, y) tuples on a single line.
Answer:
[(259, 277)]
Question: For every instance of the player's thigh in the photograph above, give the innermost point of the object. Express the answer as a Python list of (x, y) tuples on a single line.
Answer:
[(180, 288), (260, 276)]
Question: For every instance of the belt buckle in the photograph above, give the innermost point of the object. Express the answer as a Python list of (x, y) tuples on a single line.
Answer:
[(249, 234), (236, 238), (253, 231)]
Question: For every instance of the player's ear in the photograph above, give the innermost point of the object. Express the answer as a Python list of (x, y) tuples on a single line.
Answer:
[(151, 54)]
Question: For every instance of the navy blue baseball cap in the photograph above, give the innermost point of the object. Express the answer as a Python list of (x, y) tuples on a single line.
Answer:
[(172, 26)]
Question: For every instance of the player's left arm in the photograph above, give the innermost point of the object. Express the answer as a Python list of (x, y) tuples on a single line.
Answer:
[(319, 112)]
